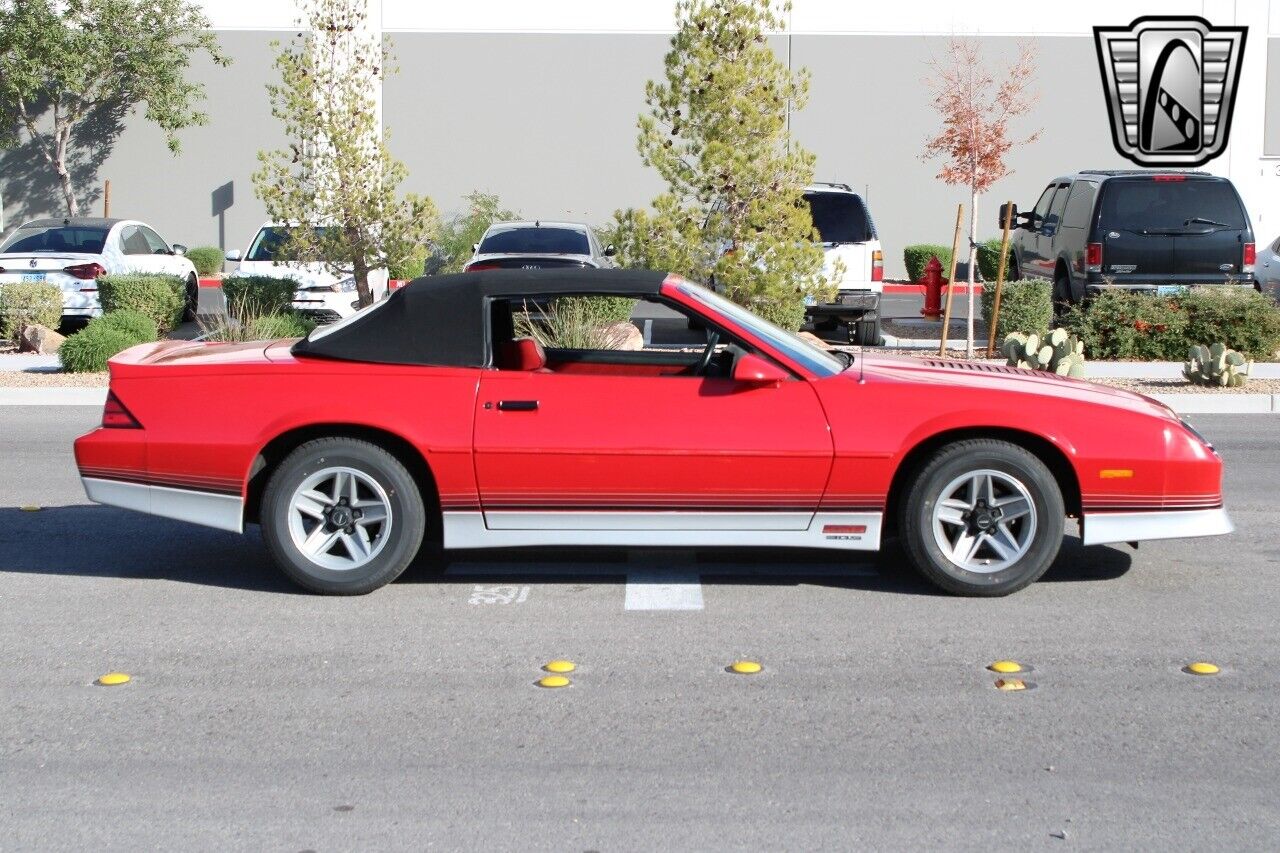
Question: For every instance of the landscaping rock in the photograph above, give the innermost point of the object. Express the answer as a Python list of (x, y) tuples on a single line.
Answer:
[(39, 339), (623, 336)]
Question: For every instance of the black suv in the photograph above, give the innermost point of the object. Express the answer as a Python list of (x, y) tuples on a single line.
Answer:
[(1136, 230)]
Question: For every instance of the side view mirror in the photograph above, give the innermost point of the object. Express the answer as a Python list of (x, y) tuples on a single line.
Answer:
[(475, 247), (179, 249), (610, 250), (1005, 210), (233, 255), (757, 371)]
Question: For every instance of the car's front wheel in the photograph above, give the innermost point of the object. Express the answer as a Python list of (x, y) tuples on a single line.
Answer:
[(982, 517), (342, 516), (191, 303)]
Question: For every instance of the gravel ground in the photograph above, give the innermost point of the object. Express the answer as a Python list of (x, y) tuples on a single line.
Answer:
[(18, 379), (1179, 386)]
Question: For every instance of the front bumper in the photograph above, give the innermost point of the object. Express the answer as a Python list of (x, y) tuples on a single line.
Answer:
[(1101, 528)]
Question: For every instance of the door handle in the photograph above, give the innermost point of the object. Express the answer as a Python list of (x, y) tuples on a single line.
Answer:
[(517, 405)]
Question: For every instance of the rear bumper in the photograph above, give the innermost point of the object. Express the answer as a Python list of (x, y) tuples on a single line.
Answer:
[(224, 512), (1095, 287), (1107, 527)]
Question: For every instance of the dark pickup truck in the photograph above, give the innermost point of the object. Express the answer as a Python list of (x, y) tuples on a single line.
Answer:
[(1136, 230)]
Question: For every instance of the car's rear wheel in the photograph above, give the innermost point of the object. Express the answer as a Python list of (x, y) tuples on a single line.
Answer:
[(191, 306), (1061, 296), (342, 516), (983, 518), (866, 333)]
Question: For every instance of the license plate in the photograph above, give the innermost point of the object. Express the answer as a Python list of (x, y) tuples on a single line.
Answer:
[(33, 276), (1170, 289)]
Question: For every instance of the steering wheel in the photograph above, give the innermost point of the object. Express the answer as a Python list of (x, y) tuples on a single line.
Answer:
[(713, 338)]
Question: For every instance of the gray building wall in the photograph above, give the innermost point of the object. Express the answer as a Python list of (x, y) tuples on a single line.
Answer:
[(548, 121)]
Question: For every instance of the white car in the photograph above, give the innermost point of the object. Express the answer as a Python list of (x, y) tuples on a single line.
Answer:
[(539, 245), (321, 294), (72, 253)]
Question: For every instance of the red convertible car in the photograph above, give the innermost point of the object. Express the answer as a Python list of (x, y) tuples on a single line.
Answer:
[(439, 415)]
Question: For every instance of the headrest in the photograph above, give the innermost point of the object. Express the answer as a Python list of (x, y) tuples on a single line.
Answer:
[(521, 354)]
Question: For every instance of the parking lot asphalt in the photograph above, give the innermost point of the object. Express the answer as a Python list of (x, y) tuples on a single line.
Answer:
[(261, 718)]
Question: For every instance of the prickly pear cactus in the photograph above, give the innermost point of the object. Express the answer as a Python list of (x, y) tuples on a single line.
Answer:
[(1058, 352), (1216, 367)]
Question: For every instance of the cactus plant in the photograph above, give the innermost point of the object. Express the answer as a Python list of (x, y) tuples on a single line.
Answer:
[(1058, 352), (1216, 366)]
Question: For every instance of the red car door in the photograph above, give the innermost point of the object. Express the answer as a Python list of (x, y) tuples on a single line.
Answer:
[(636, 452)]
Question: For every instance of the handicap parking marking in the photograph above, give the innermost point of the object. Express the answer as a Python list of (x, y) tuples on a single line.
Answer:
[(651, 591)]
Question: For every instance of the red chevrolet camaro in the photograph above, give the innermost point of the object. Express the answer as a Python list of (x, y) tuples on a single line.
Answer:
[(439, 415)]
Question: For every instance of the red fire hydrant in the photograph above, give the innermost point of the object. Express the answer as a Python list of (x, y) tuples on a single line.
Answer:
[(933, 283)]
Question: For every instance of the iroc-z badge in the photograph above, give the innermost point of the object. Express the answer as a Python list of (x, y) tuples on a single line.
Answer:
[(1170, 84)]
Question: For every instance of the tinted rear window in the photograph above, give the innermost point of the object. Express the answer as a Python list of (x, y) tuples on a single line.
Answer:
[(838, 217), (57, 238), (268, 242), (541, 241), (1169, 204)]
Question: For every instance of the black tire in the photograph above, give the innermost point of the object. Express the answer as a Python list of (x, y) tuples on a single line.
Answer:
[(407, 516), (916, 523), (191, 306), (1014, 272), (1062, 300), (867, 333)]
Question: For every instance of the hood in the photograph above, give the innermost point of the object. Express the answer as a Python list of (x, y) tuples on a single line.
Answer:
[(988, 376), (307, 275)]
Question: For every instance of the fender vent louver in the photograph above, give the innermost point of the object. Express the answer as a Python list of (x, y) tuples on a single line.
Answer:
[(978, 366)]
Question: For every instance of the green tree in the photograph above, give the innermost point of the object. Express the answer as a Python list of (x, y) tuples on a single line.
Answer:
[(717, 133), (63, 61), (336, 179), (458, 235)]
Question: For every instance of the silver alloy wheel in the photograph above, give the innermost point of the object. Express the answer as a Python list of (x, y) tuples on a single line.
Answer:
[(339, 518), (984, 521)]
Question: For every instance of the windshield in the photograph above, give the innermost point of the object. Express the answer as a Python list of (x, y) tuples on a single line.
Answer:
[(56, 238), (537, 241), (1171, 205), (817, 361), (269, 241), (838, 217)]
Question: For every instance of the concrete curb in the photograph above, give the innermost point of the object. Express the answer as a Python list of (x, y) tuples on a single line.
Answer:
[(53, 396)]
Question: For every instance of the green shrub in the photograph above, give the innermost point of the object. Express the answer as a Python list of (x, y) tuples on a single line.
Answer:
[(26, 304), (1025, 306), (267, 327), (989, 259), (160, 297), (259, 294), (87, 351), (135, 324), (1118, 324), (1247, 321), (917, 258), (410, 267), (206, 259)]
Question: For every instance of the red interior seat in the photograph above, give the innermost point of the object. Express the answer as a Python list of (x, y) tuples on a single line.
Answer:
[(522, 354)]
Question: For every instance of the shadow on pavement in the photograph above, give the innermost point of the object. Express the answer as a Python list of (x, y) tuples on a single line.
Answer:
[(93, 541)]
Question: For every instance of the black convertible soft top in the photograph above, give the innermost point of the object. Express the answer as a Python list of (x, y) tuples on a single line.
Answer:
[(441, 320)]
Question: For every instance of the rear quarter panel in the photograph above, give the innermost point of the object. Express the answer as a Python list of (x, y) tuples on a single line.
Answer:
[(206, 426)]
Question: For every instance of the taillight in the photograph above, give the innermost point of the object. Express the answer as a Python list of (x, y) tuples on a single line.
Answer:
[(86, 271), (877, 265), (481, 267), (1093, 257), (116, 416), (1250, 257)]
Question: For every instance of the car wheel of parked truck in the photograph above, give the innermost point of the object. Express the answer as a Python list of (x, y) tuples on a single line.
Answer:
[(342, 516), (982, 518)]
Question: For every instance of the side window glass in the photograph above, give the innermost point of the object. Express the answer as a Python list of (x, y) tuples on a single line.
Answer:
[(133, 242), (1079, 205), (1054, 218), (155, 244), (1042, 206)]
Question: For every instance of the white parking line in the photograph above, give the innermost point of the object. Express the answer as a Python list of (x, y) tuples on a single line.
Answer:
[(649, 591)]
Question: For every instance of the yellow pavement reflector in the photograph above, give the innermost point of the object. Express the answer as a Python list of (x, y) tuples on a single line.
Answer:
[(113, 678), (745, 667), (553, 681), (1010, 684), (1201, 668), (1005, 666), (560, 666), (29, 508)]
